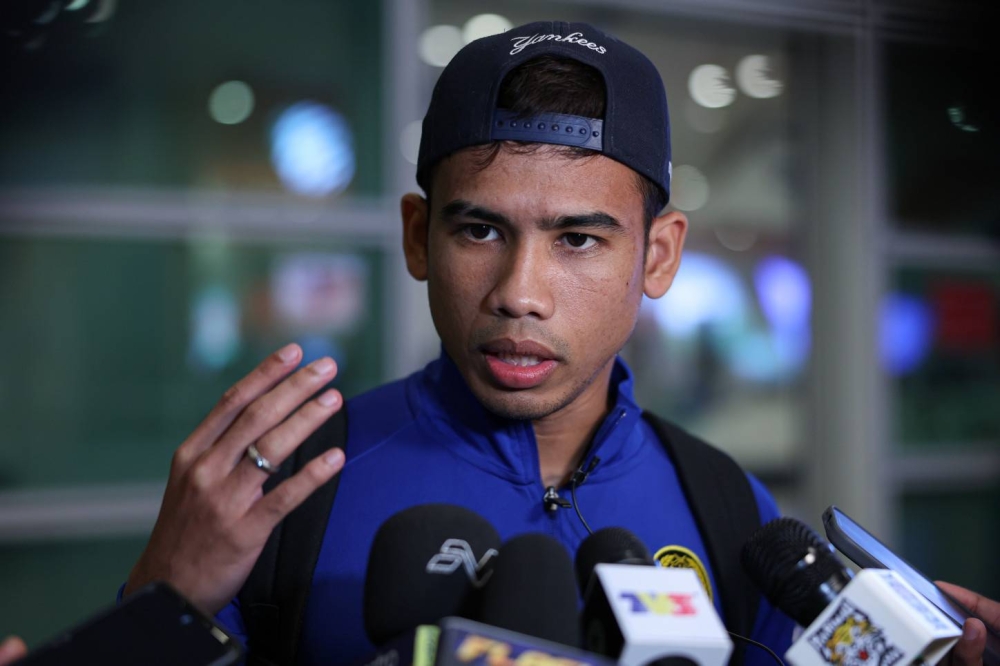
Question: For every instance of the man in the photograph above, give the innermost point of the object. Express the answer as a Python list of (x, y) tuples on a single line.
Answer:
[(545, 162)]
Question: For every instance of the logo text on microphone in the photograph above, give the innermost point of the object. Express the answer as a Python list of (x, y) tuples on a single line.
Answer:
[(659, 603), (457, 553)]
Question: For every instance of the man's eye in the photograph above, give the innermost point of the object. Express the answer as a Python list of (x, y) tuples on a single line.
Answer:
[(481, 232), (580, 241)]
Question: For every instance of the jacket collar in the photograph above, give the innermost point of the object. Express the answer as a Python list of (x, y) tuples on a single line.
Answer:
[(505, 447)]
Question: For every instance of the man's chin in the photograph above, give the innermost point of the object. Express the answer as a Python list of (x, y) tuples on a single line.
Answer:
[(516, 405)]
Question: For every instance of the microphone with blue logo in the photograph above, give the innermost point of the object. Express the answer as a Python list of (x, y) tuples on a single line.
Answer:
[(639, 615)]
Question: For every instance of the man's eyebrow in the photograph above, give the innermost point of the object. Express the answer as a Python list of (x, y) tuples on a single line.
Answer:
[(595, 220), (462, 208)]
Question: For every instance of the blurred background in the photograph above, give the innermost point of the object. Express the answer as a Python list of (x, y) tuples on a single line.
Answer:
[(187, 185)]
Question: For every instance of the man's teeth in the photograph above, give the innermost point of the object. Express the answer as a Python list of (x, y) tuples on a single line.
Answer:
[(515, 359)]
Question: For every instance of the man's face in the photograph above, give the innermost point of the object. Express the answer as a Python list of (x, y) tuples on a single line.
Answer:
[(535, 274)]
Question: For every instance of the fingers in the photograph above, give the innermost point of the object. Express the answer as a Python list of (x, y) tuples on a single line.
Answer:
[(987, 609), (281, 442), (267, 412), (278, 503), (260, 380), (968, 651), (11, 649)]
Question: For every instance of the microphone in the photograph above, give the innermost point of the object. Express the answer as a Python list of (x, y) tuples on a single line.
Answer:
[(426, 562), (645, 614), (874, 618), (533, 591)]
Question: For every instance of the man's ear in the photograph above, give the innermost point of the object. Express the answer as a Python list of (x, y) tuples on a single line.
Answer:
[(663, 255), (413, 209)]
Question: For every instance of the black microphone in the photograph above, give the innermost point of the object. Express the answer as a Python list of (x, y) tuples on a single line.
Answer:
[(609, 545), (426, 562), (532, 590), (795, 568)]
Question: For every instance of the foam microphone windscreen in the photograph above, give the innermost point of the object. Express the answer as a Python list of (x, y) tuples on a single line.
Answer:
[(426, 562), (610, 545), (533, 591), (795, 568)]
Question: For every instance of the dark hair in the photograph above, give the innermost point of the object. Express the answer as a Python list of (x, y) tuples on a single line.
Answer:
[(553, 84)]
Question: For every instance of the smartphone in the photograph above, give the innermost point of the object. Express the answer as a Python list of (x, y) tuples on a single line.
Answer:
[(868, 552), (155, 626)]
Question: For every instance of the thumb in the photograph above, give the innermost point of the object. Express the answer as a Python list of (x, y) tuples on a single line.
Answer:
[(12, 649), (968, 651)]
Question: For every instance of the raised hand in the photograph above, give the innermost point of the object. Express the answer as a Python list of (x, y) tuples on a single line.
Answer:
[(215, 517)]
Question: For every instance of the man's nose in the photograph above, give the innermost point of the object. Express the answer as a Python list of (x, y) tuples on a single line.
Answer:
[(522, 286)]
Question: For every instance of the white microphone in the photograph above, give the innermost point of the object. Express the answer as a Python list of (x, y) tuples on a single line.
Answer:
[(874, 619), (640, 614), (877, 619)]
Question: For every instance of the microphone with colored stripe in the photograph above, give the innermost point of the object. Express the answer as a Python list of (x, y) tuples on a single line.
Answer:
[(644, 614)]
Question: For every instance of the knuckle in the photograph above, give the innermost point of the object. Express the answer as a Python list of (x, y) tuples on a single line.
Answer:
[(182, 459), (200, 478), (260, 413), (232, 398), (283, 500)]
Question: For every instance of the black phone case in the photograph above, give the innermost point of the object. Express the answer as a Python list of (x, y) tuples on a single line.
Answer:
[(111, 636)]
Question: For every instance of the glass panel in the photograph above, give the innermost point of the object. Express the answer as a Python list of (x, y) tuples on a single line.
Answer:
[(725, 353), (943, 134), (48, 587), (941, 342), (134, 99), (954, 537), (112, 351)]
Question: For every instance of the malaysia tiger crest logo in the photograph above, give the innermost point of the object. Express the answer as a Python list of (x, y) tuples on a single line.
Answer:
[(679, 557), (849, 637)]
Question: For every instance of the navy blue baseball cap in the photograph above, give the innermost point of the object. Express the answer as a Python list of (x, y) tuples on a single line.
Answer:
[(635, 129)]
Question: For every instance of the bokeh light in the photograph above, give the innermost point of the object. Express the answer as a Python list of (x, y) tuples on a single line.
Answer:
[(688, 188), (706, 290), (906, 332), (709, 86), (439, 44), (484, 25), (312, 149), (409, 141), (784, 292), (755, 77), (231, 102), (215, 328)]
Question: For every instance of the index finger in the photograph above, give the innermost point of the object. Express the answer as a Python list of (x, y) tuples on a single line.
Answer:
[(987, 609), (260, 380)]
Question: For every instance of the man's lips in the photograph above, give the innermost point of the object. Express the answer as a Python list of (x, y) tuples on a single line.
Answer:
[(519, 365), (522, 348)]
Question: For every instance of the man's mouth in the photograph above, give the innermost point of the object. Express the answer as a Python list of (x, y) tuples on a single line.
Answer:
[(523, 361), (518, 365)]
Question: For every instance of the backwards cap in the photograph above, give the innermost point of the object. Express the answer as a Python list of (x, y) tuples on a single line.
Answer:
[(635, 129)]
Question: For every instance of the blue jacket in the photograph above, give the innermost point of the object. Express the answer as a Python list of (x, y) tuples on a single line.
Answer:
[(427, 439)]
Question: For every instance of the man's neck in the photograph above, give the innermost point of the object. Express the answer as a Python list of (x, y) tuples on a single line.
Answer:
[(563, 437)]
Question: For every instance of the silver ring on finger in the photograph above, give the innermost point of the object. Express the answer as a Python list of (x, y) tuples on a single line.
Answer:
[(260, 462)]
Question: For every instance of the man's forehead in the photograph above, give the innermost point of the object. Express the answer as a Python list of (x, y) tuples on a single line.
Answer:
[(545, 181)]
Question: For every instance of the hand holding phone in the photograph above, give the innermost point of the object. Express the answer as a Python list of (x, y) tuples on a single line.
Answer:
[(866, 551), (153, 627)]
